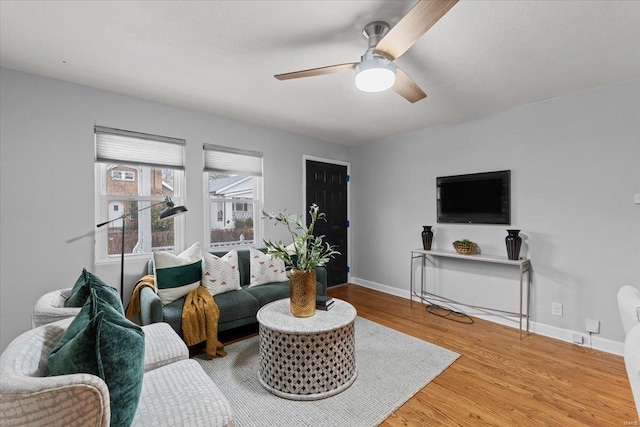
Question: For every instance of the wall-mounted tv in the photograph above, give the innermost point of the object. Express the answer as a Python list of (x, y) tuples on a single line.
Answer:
[(478, 198)]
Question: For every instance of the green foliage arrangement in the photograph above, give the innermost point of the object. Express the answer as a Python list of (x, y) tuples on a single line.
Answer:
[(158, 224), (308, 251), (244, 223)]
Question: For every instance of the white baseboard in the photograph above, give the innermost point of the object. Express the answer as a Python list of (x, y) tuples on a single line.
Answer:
[(566, 335)]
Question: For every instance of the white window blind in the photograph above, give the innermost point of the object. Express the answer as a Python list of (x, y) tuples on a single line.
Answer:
[(134, 148), (232, 161)]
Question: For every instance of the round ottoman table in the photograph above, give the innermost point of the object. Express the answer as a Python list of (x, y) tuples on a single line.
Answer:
[(307, 358)]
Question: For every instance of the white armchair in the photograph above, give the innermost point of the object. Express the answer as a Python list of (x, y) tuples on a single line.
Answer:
[(175, 390), (50, 308), (29, 396), (629, 306)]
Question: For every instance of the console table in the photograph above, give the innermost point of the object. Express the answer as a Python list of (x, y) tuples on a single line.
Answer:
[(523, 265)]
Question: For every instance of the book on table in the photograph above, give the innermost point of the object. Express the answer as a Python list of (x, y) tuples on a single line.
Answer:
[(325, 307), (324, 302)]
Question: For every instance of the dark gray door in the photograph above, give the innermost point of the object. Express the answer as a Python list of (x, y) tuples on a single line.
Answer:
[(326, 185)]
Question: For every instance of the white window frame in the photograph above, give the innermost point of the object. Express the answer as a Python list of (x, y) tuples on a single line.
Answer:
[(257, 203), (102, 200)]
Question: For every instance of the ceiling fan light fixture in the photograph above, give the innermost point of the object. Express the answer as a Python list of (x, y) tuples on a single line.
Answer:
[(375, 75)]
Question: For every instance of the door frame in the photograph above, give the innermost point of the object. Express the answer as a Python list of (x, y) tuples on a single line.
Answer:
[(305, 208)]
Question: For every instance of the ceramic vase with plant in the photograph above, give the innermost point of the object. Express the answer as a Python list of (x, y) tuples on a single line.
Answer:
[(305, 254)]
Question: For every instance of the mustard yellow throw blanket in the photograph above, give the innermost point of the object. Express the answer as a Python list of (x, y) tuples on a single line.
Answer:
[(133, 307), (200, 316)]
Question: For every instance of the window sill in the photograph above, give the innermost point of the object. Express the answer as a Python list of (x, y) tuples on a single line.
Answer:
[(127, 257), (243, 246)]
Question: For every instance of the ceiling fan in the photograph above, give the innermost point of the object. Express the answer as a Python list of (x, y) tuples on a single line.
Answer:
[(376, 70)]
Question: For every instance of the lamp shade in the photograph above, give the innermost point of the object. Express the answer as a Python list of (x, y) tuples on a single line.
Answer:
[(167, 212), (375, 74), (171, 210)]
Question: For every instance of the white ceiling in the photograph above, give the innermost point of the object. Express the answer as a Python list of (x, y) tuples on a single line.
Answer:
[(220, 57)]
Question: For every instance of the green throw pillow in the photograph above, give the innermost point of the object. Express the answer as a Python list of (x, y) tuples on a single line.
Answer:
[(85, 283), (102, 342)]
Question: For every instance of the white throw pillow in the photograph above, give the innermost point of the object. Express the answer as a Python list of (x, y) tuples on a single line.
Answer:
[(265, 268), (177, 275), (220, 274)]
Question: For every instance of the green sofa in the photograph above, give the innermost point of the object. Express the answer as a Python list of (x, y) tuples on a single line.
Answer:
[(237, 308)]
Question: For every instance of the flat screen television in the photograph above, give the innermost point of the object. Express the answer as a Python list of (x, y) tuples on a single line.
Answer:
[(478, 198)]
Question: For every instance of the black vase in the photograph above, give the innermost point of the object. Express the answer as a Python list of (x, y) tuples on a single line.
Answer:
[(427, 237), (513, 242)]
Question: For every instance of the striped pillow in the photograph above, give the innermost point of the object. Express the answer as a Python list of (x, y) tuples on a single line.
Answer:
[(177, 275)]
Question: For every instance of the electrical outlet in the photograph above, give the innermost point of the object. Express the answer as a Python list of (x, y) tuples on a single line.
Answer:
[(556, 309), (593, 326), (636, 199), (578, 339)]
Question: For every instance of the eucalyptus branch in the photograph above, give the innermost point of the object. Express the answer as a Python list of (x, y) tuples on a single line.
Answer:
[(310, 251)]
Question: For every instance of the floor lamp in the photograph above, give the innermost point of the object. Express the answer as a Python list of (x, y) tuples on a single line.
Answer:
[(169, 211)]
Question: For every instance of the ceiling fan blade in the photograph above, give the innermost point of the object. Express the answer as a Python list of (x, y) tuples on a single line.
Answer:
[(407, 88), (412, 26), (317, 71)]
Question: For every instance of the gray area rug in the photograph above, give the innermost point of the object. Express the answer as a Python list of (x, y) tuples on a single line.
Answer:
[(392, 367)]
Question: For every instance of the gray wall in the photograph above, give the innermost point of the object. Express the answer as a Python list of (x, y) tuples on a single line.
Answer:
[(575, 168), (574, 163), (47, 180)]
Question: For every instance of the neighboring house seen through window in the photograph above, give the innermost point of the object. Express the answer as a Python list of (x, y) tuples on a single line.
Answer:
[(234, 186), (134, 171), (119, 175)]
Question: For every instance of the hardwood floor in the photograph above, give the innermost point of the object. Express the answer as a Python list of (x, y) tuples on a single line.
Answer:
[(500, 380)]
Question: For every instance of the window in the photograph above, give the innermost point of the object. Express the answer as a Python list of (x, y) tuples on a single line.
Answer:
[(135, 171), (233, 186), (240, 207), (123, 175)]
